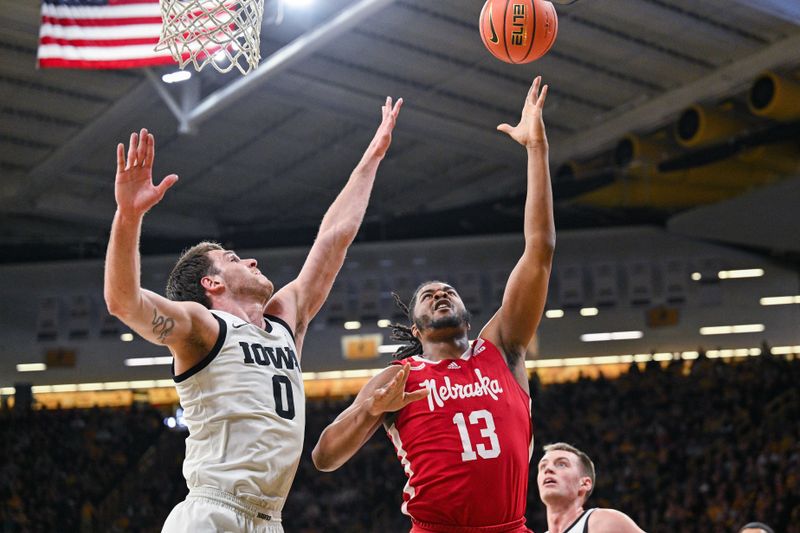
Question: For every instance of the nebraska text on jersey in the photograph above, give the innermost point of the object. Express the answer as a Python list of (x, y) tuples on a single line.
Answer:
[(484, 386)]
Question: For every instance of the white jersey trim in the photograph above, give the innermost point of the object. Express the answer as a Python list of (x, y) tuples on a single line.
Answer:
[(468, 353), (403, 455), (581, 525), (223, 334)]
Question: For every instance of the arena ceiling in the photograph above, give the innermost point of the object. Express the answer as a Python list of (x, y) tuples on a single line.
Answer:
[(259, 166)]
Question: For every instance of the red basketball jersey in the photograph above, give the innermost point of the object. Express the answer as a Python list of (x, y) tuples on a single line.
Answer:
[(466, 448)]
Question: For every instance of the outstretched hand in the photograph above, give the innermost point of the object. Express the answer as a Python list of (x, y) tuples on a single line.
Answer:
[(134, 188), (392, 396), (383, 137), (530, 130)]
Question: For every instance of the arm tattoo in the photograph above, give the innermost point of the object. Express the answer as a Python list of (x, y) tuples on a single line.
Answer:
[(162, 325)]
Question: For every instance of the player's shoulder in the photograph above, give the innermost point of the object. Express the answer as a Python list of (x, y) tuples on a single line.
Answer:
[(277, 321), (481, 344), (483, 349), (611, 521)]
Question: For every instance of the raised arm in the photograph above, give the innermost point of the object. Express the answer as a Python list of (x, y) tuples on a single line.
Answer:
[(299, 301), (514, 325), (155, 318), (385, 393)]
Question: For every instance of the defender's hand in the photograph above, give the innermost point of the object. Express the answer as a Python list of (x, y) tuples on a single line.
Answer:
[(530, 130), (134, 189), (393, 397), (383, 137)]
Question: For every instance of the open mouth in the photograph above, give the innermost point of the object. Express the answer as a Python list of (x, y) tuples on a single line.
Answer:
[(444, 304), (548, 482)]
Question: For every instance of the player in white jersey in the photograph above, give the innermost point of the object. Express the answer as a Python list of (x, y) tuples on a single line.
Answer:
[(566, 480), (236, 346), (756, 527)]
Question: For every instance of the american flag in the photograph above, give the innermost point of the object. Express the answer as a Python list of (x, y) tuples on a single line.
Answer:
[(100, 34)]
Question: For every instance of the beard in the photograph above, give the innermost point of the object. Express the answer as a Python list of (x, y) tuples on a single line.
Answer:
[(446, 322)]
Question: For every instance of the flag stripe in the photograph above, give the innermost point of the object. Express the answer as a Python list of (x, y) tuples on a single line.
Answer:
[(105, 64), (150, 9), (103, 32), (53, 21), (100, 34), (101, 53), (99, 42)]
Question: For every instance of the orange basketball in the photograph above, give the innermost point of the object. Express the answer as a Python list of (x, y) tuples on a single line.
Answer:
[(518, 31)]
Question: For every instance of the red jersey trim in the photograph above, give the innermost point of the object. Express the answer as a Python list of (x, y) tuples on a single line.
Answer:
[(475, 346), (517, 526)]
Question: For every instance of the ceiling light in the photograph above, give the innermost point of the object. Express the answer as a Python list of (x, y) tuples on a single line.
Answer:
[(589, 311), (607, 359), (352, 324), (384, 323), (784, 350), (389, 348), (725, 330), (577, 361), (31, 367), (176, 77), (142, 384), (697, 276), (126, 337), (554, 313), (780, 300), (611, 336), (742, 273), (148, 361)]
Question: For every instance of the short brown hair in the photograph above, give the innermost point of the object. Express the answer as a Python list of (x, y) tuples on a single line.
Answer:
[(586, 463), (183, 284)]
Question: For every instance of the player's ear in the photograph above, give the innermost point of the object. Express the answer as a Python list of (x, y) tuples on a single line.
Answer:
[(212, 284), (415, 330), (586, 483)]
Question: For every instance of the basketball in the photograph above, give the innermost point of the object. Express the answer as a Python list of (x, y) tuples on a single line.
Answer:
[(518, 31)]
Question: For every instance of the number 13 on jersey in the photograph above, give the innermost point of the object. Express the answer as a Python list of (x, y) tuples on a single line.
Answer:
[(483, 419)]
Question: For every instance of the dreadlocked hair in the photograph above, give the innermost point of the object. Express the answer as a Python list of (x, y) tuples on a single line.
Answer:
[(401, 333)]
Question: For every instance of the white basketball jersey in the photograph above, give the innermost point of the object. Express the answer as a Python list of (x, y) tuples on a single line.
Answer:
[(244, 405), (581, 525)]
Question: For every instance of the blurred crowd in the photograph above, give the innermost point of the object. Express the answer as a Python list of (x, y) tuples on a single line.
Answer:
[(702, 448), (57, 466), (704, 451)]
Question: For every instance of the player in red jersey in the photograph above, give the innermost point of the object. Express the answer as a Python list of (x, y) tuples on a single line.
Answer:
[(459, 414)]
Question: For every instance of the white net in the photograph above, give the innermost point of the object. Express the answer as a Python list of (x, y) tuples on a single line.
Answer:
[(223, 33)]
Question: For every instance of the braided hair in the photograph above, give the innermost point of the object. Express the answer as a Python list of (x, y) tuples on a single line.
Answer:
[(411, 344), (401, 333)]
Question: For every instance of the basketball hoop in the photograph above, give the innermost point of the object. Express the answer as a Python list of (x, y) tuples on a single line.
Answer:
[(223, 33)]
